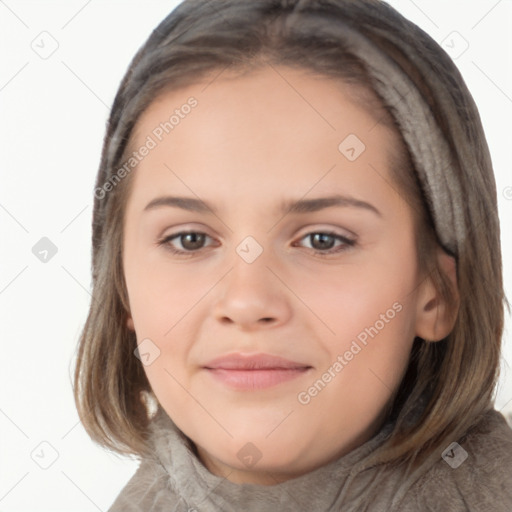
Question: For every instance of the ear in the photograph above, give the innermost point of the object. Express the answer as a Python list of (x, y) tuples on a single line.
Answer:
[(434, 317), (129, 323)]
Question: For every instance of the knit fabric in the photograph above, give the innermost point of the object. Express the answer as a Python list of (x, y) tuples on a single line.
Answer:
[(475, 475)]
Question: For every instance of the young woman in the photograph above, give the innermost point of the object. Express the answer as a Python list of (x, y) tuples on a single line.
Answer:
[(298, 299)]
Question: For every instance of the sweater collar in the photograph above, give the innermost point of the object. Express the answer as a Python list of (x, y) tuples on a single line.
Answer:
[(202, 490)]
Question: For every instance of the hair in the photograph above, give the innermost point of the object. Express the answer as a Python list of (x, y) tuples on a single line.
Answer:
[(455, 376)]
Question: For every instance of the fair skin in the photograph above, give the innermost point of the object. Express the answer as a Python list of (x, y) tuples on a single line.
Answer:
[(251, 143)]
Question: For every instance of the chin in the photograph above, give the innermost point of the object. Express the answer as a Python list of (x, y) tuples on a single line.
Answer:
[(254, 453)]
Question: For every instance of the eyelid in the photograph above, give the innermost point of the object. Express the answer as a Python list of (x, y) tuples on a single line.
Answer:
[(329, 228), (184, 228), (327, 232)]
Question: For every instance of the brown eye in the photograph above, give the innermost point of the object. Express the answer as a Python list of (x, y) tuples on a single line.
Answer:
[(185, 243), (322, 241), (325, 243), (192, 241)]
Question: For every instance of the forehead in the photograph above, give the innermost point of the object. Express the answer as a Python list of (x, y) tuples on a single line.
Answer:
[(317, 96), (264, 131)]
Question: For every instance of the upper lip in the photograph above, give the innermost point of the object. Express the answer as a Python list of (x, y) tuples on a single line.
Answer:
[(253, 362)]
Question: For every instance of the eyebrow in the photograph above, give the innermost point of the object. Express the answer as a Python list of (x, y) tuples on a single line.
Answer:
[(289, 206)]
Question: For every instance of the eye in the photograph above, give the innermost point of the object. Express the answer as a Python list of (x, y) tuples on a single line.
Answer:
[(324, 243), (190, 242)]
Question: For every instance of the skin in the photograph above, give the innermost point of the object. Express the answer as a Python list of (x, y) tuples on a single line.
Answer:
[(252, 142)]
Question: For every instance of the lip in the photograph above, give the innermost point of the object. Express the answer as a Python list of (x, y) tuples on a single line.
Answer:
[(254, 372)]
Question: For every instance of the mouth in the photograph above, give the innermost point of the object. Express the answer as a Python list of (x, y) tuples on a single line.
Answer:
[(254, 372)]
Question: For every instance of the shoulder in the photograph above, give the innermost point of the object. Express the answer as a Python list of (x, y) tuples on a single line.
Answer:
[(472, 474), (147, 490)]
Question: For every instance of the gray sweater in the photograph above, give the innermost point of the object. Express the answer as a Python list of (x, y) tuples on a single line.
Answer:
[(175, 480)]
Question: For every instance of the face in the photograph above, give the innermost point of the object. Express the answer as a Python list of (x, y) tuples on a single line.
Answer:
[(271, 270)]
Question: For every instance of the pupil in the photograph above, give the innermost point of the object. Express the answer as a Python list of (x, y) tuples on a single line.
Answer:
[(195, 239), (326, 241)]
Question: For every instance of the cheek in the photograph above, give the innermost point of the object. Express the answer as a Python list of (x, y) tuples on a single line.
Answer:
[(365, 315), (165, 302), (370, 292), (163, 305), (348, 300), (366, 363), (161, 295)]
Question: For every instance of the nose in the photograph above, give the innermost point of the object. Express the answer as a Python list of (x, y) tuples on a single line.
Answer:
[(251, 296)]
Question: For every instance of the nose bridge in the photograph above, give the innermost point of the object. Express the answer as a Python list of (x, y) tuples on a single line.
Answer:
[(251, 293)]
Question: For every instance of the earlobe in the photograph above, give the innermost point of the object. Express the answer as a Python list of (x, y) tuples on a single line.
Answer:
[(129, 323), (435, 316)]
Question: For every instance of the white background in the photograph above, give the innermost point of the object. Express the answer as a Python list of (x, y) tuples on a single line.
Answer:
[(53, 114)]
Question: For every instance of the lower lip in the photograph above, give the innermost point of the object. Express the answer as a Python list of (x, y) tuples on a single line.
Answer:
[(255, 379)]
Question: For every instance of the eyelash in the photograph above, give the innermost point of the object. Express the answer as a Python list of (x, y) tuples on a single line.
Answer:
[(347, 243)]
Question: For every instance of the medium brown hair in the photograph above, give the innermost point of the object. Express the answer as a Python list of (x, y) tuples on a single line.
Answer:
[(200, 39)]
